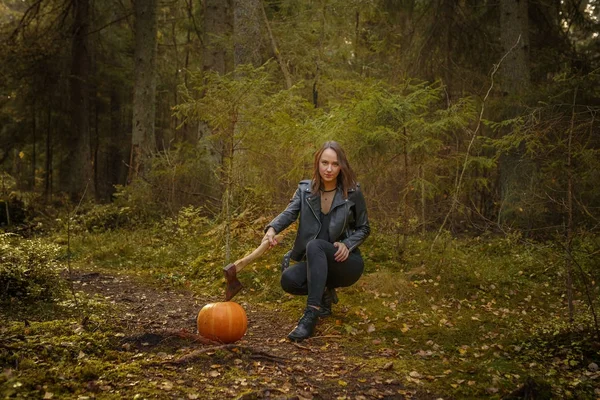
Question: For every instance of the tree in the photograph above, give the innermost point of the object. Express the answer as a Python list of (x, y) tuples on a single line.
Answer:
[(143, 141), (246, 32), (79, 158), (218, 26), (514, 35)]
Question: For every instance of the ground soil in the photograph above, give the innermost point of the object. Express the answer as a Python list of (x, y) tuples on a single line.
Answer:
[(263, 364)]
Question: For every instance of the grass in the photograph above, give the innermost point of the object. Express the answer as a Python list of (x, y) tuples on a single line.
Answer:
[(475, 318)]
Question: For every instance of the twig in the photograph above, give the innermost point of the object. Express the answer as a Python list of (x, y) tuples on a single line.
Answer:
[(284, 70), (302, 347), (254, 353), (184, 334), (324, 337), (356, 367), (69, 267), (33, 9), (110, 23), (471, 142)]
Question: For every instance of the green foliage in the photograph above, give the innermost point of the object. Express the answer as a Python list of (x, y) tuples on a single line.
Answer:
[(545, 146), (252, 123), (105, 217), (30, 269), (190, 221)]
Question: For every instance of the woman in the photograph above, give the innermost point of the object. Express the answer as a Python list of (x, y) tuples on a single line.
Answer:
[(333, 223)]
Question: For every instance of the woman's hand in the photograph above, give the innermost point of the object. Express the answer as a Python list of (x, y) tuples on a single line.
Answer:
[(270, 237), (342, 253)]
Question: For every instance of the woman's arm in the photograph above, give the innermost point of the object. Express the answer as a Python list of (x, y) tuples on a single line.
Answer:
[(288, 216)]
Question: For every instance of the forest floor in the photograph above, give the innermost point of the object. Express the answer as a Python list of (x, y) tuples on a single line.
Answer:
[(263, 364), (479, 318)]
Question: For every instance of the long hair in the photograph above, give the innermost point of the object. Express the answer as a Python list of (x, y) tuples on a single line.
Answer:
[(346, 178)]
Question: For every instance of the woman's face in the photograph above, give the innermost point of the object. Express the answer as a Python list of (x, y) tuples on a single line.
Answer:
[(329, 167)]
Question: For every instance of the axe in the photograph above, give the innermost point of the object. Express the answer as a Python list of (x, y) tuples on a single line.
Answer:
[(230, 271)]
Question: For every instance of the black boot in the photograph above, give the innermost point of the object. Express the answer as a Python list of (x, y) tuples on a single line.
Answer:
[(329, 298), (306, 325)]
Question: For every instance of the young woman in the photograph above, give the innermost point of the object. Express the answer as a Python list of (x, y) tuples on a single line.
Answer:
[(333, 223)]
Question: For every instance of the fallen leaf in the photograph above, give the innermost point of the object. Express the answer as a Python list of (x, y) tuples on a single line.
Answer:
[(388, 365)]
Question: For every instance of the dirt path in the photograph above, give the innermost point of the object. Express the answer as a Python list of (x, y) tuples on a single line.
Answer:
[(265, 365)]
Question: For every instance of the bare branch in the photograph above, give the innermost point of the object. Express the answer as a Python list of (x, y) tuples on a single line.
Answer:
[(471, 142)]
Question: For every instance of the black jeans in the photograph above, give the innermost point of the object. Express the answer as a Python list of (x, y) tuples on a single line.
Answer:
[(320, 270)]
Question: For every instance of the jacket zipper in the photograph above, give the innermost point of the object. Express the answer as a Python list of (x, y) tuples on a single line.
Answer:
[(317, 218)]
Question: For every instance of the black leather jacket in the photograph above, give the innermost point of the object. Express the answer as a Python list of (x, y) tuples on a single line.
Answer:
[(349, 223)]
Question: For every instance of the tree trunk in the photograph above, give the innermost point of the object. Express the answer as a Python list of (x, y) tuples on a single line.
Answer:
[(114, 159), (143, 141), (405, 217), (34, 139), (48, 172), (79, 159), (514, 22), (218, 26), (246, 32), (569, 210), (423, 200)]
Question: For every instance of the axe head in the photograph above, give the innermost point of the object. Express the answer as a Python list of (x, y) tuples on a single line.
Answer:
[(233, 284)]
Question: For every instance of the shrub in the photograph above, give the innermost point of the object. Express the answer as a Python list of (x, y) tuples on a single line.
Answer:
[(106, 217), (29, 269)]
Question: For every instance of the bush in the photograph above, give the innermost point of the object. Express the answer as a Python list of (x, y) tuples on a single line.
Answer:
[(107, 217), (29, 269)]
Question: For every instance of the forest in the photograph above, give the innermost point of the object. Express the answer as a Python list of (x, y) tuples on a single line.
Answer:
[(147, 144)]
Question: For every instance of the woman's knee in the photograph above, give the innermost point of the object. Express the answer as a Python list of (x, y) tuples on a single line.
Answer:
[(316, 245), (289, 283)]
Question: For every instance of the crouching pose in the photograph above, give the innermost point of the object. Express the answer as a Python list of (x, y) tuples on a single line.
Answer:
[(332, 224)]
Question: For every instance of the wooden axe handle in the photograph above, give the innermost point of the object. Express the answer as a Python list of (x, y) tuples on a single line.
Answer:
[(259, 251)]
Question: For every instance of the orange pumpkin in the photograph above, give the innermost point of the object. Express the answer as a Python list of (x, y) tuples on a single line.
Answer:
[(224, 322)]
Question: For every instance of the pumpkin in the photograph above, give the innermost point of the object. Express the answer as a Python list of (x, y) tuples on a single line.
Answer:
[(224, 322)]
